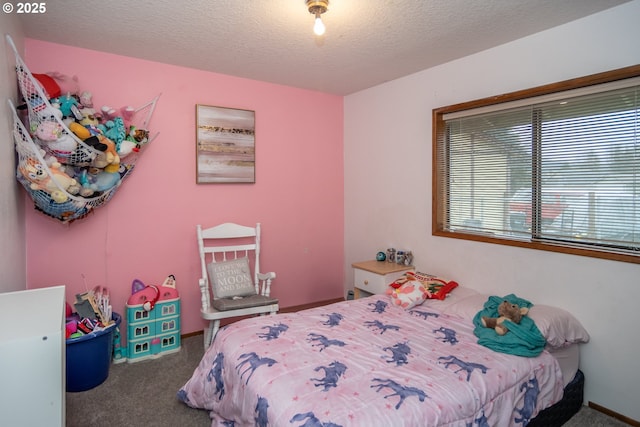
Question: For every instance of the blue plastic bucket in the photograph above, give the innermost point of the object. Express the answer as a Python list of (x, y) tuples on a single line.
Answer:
[(89, 358)]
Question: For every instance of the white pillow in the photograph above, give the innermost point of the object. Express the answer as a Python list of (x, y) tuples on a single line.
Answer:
[(231, 278), (462, 302), (558, 326)]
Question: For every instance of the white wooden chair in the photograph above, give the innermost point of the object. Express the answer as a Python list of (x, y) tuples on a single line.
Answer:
[(219, 246)]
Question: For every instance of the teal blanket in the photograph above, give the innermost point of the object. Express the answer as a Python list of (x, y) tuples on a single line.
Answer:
[(523, 339)]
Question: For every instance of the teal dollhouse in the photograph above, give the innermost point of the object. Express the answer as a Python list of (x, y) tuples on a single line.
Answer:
[(153, 330)]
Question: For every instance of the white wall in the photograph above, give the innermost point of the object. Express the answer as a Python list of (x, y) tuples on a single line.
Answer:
[(388, 191), (12, 229)]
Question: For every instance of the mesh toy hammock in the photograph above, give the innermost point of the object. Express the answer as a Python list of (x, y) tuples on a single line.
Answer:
[(65, 176)]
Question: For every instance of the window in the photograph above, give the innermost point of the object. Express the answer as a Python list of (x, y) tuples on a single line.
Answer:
[(554, 168)]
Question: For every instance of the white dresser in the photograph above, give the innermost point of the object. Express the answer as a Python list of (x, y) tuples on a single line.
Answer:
[(373, 277), (32, 357)]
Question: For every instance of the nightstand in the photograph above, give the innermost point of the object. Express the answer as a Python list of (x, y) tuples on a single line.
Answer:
[(373, 277)]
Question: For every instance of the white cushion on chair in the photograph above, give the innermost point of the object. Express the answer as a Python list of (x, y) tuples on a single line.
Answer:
[(231, 278)]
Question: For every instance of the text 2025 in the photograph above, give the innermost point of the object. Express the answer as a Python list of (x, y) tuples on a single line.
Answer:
[(31, 7)]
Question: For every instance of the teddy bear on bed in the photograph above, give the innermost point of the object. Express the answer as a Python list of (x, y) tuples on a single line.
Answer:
[(506, 311)]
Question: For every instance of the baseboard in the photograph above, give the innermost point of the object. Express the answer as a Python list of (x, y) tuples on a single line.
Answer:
[(191, 334), (292, 309), (310, 305), (613, 414)]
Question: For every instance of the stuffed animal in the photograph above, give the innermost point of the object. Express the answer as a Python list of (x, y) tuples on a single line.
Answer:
[(114, 130), (63, 146), (141, 136), (506, 311), (89, 117), (49, 85), (49, 130), (90, 120), (36, 174), (69, 106), (68, 84), (79, 130), (98, 180), (86, 99), (127, 147), (108, 112), (126, 113), (106, 150), (408, 295)]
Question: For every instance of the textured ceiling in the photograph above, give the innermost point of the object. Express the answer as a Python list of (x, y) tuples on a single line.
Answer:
[(367, 42)]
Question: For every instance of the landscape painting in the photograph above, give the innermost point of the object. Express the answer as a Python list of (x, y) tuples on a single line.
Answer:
[(225, 150)]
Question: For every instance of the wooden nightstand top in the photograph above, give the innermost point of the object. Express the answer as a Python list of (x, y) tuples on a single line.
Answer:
[(381, 267)]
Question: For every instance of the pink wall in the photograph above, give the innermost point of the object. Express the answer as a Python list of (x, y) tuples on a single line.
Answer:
[(147, 230)]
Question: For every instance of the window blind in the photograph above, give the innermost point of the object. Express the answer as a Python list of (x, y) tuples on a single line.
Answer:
[(562, 169)]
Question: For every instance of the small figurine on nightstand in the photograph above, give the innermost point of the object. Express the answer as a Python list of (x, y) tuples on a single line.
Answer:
[(391, 255), (380, 256), (408, 258)]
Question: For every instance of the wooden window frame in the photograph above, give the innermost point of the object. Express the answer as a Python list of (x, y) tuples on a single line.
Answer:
[(439, 199)]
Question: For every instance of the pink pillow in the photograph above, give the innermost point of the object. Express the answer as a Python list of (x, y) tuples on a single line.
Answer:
[(408, 295)]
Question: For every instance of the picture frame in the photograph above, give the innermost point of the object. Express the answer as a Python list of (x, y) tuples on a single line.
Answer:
[(225, 145)]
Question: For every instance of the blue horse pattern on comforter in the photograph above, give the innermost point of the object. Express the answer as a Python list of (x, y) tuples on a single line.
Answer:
[(366, 362)]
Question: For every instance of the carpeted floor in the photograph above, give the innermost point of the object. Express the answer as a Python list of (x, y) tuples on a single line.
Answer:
[(144, 394), (141, 393)]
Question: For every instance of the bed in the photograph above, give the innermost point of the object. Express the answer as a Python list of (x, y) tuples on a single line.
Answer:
[(369, 362)]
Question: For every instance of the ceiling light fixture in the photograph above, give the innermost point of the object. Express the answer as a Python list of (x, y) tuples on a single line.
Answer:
[(317, 8)]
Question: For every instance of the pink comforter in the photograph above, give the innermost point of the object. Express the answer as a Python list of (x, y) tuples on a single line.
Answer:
[(366, 363)]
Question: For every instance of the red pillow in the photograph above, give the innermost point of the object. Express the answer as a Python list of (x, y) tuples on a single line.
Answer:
[(49, 85), (437, 287)]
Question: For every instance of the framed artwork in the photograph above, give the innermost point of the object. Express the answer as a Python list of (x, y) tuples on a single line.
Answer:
[(225, 145)]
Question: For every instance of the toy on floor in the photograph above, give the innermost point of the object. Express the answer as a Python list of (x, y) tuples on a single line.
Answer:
[(153, 317)]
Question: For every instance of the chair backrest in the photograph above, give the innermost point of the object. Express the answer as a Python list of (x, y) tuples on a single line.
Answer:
[(229, 241)]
